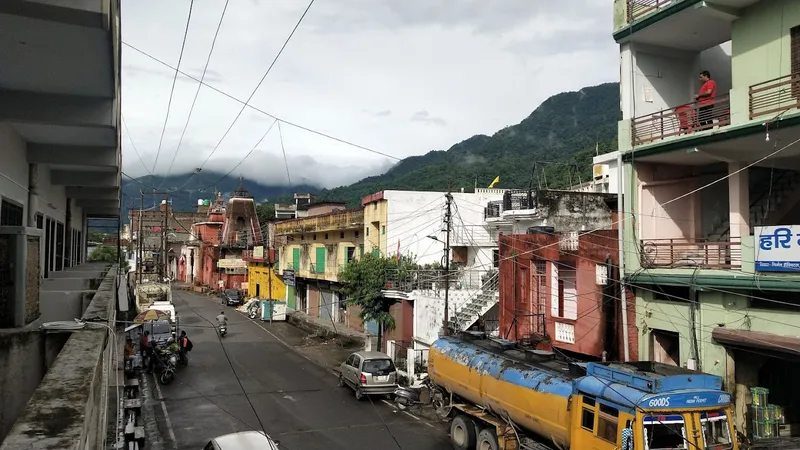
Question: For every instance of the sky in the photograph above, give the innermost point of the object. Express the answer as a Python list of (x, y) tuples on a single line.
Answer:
[(399, 77)]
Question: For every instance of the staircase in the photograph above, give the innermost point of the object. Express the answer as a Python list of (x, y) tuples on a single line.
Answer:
[(473, 309), (770, 203)]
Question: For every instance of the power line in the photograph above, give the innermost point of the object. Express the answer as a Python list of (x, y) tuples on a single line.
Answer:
[(264, 77), (285, 160), (196, 93), (261, 111), (174, 79), (130, 138)]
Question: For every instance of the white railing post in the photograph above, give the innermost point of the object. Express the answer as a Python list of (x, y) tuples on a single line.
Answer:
[(390, 348), (410, 358)]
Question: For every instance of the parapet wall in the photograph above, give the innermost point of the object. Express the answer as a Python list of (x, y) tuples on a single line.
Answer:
[(68, 410)]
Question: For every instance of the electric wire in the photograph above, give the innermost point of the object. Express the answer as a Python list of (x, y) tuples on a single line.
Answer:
[(252, 94), (174, 80), (196, 92)]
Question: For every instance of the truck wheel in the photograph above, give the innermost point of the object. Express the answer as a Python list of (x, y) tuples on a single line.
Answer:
[(487, 440), (462, 433)]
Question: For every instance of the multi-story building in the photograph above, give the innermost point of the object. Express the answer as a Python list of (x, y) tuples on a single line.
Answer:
[(311, 252), (711, 187), (285, 211), (60, 158)]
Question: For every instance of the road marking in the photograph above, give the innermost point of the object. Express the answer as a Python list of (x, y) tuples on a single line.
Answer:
[(164, 409), (404, 412)]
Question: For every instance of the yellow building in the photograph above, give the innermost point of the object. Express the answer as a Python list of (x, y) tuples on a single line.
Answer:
[(263, 279), (314, 250), (376, 216)]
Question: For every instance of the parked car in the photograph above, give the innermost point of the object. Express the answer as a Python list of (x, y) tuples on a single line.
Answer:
[(368, 373), (231, 297), (245, 440)]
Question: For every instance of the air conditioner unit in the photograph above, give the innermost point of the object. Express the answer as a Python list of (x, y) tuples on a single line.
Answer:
[(19, 275)]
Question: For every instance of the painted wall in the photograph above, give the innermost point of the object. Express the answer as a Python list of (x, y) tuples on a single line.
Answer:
[(761, 49), (259, 275), (335, 244), (376, 216), (413, 216), (429, 311)]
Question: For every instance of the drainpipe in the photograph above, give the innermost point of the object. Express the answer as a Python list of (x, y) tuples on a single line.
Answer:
[(33, 194), (621, 243)]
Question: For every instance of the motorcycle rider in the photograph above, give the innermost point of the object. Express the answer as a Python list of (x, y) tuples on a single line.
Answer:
[(222, 319)]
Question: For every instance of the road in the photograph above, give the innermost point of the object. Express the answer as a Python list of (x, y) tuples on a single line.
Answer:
[(297, 400)]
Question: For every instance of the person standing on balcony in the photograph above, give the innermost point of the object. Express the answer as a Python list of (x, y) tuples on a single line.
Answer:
[(705, 99)]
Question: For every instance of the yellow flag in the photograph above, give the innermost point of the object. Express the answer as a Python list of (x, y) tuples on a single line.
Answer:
[(496, 180)]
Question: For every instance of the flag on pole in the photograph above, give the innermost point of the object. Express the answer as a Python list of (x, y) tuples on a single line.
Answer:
[(397, 255), (496, 180)]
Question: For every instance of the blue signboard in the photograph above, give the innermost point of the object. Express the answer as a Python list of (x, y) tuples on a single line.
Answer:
[(778, 249), (686, 400)]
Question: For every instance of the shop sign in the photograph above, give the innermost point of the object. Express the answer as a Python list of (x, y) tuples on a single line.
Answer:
[(777, 248), (232, 263)]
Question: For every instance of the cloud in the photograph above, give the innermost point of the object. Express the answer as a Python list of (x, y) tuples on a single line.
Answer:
[(357, 70), (424, 117)]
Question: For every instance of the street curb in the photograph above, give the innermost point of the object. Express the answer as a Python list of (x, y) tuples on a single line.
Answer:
[(310, 327)]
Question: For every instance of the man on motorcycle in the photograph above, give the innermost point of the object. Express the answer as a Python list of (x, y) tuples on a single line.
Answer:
[(222, 319)]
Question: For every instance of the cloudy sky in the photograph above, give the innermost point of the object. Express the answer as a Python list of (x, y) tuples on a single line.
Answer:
[(401, 77)]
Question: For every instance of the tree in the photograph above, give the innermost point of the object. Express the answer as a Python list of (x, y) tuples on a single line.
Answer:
[(108, 253), (265, 213), (364, 279)]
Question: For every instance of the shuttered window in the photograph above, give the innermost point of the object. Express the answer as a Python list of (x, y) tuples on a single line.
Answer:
[(794, 44), (320, 266)]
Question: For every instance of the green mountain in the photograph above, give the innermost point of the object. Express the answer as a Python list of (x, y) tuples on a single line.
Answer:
[(559, 138)]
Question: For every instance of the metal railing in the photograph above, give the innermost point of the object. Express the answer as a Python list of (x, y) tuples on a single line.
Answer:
[(424, 279), (513, 200), (683, 252), (773, 97), (684, 119), (493, 209), (341, 220), (640, 8)]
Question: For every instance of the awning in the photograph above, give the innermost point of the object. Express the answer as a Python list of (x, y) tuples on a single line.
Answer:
[(757, 340), (736, 281)]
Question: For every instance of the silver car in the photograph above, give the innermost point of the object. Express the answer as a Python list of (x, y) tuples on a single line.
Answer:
[(368, 373)]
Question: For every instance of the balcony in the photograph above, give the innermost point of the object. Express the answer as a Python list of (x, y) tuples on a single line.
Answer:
[(432, 279), (346, 220), (691, 253), (641, 8), (774, 97), (683, 120), (513, 200)]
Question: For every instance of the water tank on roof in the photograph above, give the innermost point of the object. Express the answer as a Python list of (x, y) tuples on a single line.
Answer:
[(163, 202), (206, 202), (541, 230), (199, 202)]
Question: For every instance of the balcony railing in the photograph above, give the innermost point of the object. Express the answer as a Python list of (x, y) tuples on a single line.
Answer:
[(682, 120), (515, 199), (682, 252), (640, 8), (424, 279), (773, 97), (328, 222)]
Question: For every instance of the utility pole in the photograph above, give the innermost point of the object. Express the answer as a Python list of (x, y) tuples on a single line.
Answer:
[(269, 283), (165, 239), (140, 239), (447, 222)]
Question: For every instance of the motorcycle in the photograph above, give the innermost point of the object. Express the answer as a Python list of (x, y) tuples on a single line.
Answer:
[(253, 309), (223, 330), (408, 396), (166, 362)]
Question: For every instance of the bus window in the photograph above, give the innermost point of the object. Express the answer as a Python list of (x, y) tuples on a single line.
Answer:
[(716, 430), (664, 432)]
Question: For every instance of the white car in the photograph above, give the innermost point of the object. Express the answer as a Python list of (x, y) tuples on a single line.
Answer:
[(245, 440)]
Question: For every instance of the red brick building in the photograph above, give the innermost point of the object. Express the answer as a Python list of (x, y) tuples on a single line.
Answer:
[(561, 289)]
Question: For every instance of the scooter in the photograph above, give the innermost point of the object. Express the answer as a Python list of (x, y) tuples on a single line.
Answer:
[(223, 330), (408, 396)]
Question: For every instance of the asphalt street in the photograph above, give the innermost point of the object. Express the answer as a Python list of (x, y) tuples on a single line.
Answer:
[(297, 400)]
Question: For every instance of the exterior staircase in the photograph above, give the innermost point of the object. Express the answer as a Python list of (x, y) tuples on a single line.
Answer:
[(473, 309), (769, 202)]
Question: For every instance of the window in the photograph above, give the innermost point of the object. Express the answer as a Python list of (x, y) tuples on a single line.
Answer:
[(11, 214), (49, 231), (367, 232), (794, 39), (495, 258), (587, 419), (378, 366), (607, 422), (341, 235), (383, 229), (356, 234), (39, 221), (564, 297), (716, 431), (326, 235), (320, 263), (664, 432), (59, 246)]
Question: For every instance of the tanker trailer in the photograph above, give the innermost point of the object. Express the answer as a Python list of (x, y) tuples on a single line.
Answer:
[(504, 397)]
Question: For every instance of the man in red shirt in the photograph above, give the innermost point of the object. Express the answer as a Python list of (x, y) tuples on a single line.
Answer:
[(705, 98)]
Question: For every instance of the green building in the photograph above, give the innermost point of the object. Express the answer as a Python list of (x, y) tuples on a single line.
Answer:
[(707, 184)]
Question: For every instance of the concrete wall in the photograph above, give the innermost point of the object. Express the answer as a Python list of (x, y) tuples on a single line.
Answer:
[(413, 216), (761, 50), (68, 409), (25, 356), (429, 311)]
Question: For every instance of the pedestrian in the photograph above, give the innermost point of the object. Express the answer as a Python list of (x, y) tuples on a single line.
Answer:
[(185, 346), (146, 347), (705, 98)]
